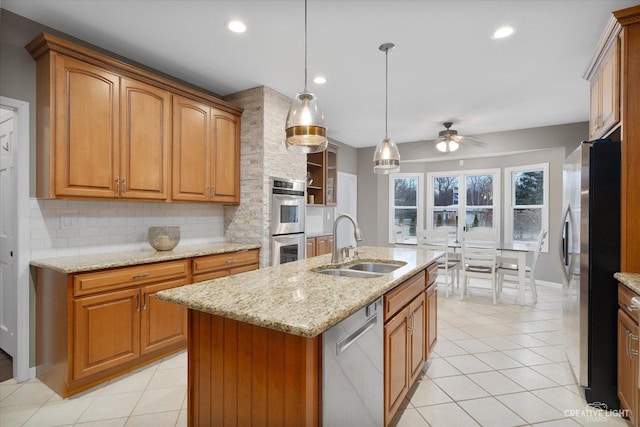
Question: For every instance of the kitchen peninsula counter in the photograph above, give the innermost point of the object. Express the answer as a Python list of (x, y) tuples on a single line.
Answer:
[(293, 299), (630, 280), (100, 261)]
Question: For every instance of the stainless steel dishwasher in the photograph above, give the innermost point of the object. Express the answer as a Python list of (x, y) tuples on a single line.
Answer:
[(353, 370)]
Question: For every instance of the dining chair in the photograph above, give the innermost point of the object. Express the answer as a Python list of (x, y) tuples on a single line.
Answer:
[(438, 240), (479, 252), (511, 270)]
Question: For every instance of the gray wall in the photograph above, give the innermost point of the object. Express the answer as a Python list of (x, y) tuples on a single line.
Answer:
[(514, 148)]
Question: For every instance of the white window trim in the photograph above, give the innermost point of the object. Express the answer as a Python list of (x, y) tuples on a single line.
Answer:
[(509, 197), (462, 194), (419, 197)]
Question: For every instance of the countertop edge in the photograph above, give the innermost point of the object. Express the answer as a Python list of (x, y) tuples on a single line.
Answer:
[(630, 280), (105, 260)]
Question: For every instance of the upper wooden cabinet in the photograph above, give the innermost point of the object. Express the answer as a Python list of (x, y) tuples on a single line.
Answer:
[(106, 129), (322, 177), (605, 93), (618, 57), (206, 153)]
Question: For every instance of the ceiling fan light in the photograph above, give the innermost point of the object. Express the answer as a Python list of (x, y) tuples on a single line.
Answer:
[(442, 146), (453, 146), (386, 158), (305, 128)]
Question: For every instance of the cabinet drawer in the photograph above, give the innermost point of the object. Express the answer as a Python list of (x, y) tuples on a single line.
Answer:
[(432, 273), (224, 261), (397, 298), (624, 301), (122, 277)]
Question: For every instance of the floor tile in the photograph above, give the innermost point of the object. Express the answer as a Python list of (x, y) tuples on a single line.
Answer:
[(555, 353), (565, 422), (528, 378), (60, 412), (468, 364), (448, 348), (114, 422), (128, 383), (439, 367), (556, 372), (460, 387), (447, 415), (501, 343), (428, 393), (530, 407), (17, 415), (498, 360), (410, 418), (561, 398), (111, 406), (495, 383), (164, 399), (473, 345), (489, 411), (28, 393), (527, 357), (160, 419), (168, 378)]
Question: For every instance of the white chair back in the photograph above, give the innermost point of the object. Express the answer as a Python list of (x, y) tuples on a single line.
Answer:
[(479, 251), (541, 238), (433, 239)]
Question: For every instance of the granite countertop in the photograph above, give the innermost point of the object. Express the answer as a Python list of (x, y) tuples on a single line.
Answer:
[(99, 261), (291, 298), (630, 280), (319, 234)]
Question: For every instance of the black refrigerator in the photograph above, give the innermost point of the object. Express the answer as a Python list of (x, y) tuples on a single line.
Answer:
[(591, 255)]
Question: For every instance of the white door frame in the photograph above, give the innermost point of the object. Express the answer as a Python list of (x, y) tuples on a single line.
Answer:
[(21, 371)]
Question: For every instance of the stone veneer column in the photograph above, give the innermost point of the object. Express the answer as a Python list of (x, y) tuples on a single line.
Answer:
[(262, 155)]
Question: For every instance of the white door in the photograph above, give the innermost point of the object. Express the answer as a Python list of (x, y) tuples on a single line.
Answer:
[(347, 204), (8, 283)]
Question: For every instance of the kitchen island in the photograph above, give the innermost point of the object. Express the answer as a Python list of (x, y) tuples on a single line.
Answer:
[(255, 339)]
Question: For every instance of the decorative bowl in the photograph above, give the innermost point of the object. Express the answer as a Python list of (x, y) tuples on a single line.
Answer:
[(164, 238)]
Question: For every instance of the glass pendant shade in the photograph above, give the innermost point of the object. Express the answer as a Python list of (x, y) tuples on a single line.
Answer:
[(305, 128), (386, 159)]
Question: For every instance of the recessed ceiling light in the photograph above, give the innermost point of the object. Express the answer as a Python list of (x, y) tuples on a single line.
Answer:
[(319, 80), (503, 32), (237, 26)]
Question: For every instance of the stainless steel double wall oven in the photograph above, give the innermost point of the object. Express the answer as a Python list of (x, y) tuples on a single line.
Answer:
[(287, 220)]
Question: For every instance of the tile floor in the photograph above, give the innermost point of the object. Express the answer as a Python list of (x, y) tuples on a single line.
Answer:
[(500, 365)]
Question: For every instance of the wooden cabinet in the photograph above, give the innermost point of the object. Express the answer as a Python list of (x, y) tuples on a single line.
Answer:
[(105, 322), (605, 94), (628, 354), (319, 245), (322, 177), (616, 64), (213, 266), (311, 247), (431, 295), (405, 335), (106, 129), (206, 153)]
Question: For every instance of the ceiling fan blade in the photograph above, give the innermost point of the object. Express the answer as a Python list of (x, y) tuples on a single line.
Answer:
[(474, 141)]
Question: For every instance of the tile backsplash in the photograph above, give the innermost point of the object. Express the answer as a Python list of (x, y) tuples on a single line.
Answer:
[(67, 227)]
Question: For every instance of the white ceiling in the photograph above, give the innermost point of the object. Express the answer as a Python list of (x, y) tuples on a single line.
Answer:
[(445, 65)]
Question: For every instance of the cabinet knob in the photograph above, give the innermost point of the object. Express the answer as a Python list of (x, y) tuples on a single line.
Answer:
[(117, 185), (124, 185)]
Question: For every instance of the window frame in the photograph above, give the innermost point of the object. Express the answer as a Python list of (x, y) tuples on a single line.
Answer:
[(419, 202), (462, 195), (509, 199)]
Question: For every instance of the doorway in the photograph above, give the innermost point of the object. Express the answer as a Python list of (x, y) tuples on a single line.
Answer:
[(14, 234)]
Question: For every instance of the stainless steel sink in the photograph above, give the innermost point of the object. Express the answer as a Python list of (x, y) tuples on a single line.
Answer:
[(347, 273), (376, 267)]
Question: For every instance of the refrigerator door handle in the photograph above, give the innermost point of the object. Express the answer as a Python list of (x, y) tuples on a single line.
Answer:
[(564, 245)]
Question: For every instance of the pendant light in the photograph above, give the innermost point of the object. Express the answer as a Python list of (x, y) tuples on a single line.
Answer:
[(386, 159), (306, 131)]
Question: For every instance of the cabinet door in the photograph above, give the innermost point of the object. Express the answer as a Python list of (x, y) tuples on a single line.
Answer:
[(86, 130), (417, 336), (321, 246), (432, 318), (610, 90), (311, 247), (162, 323), (594, 108), (331, 159), (628, 365), (106, 331), (226, 157), (145, 143), (396, 378), (191, 150)]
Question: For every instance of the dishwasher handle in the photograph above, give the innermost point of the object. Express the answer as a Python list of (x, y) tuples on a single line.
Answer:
[(346, 342)]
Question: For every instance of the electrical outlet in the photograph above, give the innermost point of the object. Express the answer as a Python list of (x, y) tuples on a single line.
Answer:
[(70, 222)]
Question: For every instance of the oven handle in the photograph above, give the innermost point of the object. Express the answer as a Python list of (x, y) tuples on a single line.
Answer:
[(287, 237), (288, 198)]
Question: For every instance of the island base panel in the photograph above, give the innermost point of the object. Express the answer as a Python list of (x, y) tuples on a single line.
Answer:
[(247, 375)]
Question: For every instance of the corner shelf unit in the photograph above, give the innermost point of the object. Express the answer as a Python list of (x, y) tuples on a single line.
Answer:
[(322, 168)]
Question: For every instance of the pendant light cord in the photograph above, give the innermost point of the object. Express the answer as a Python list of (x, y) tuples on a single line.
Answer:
[(305, 45), (386, 92)]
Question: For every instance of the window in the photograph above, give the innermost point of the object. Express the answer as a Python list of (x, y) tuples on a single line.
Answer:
[(527, 203), (463, 200), (405, 207)]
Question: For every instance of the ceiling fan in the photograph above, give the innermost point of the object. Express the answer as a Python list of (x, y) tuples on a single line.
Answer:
[(449, 140)]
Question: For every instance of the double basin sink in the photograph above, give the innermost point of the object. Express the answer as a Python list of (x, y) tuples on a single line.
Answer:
[(361, 270)]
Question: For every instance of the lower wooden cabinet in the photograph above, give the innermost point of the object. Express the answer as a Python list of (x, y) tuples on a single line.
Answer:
[(320, 245), (220, 265), (431, 295), (628, 355), (94, 326)]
